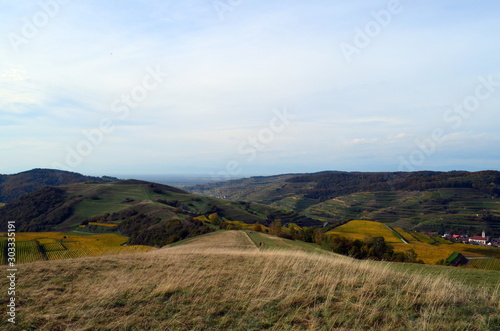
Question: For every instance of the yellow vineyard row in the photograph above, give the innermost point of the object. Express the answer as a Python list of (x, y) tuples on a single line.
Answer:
[(31, 246)]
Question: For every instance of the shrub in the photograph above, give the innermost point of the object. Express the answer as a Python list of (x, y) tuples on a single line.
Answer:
[(286, 235)]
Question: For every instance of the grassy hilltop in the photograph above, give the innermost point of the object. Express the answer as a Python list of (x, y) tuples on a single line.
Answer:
[(222, 281)]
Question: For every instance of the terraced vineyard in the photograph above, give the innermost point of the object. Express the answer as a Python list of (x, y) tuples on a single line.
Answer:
[(3, 249), (28, 251), (360, 229), (430, 249), (460, 202), (34, 246)]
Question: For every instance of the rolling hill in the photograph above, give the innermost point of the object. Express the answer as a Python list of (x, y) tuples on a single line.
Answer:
[(457, 201), (17, 185), (148, 213), (222, 281)]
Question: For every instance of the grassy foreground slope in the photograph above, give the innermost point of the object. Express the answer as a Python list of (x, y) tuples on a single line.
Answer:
[(222, 281)]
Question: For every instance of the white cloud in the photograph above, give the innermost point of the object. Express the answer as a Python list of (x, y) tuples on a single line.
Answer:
[(227, 76), (18, 92)]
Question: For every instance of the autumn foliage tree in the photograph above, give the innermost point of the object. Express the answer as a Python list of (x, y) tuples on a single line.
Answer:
[(275, 228)]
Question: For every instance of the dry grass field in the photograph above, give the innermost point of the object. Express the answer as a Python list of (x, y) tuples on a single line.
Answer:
[(221, 281)]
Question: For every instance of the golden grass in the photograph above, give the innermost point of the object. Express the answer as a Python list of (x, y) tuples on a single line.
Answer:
[(430, 254), (208, 284), (107, 225), (406, 235), (202, 218), (360, 229), (294, 226), (241, 225), (43, 241)]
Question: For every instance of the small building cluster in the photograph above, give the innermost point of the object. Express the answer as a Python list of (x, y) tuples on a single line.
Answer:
[(481, 240)]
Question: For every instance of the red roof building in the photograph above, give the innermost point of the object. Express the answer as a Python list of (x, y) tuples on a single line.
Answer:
[(478, 240)]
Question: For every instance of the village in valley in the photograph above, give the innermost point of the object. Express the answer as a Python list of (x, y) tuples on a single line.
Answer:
[(481, 240)]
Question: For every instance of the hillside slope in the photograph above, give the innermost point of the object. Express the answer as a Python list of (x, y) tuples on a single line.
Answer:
[(221, 282), (148, 213), (457, 201), (17, 185)]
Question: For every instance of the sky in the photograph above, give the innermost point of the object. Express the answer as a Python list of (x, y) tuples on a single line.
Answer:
[(232, 88)]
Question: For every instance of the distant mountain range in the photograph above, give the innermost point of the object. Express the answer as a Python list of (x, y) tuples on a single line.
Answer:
[(14, 186)]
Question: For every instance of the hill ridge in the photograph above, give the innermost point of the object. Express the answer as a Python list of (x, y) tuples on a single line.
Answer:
[(16, 185)]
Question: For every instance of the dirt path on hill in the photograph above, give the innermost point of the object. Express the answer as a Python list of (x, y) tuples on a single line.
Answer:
[(397, 234), (222, 240)]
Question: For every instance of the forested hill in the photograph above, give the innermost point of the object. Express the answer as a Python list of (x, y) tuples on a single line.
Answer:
[(17, 185), (330, 184)]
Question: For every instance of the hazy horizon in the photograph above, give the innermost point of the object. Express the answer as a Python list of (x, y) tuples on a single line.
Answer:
[(246, 175)]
